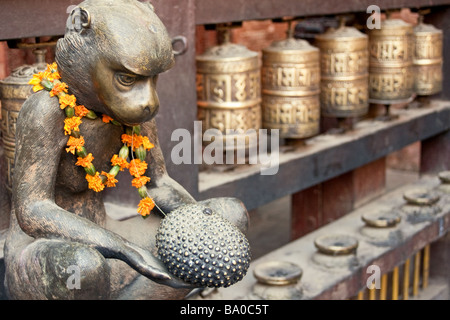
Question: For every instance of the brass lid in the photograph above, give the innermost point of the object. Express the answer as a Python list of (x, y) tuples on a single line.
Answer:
[(393, 27), (277, 273), (426, 29), (291, 50), (227, 58), (421, 196), (336, 244), (343, 39), (381, 219), (444, 176)]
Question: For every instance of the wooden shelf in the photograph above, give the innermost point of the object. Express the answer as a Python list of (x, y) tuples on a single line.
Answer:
[(327, 156), (333, 281)]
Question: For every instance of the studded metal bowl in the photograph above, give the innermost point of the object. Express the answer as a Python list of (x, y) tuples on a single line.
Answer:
[(201, 247)]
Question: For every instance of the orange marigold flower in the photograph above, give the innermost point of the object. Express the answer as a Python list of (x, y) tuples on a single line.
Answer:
[(137, 167), (126, 138), (74, 143), (106, 118), (118, 161), (67, 100), (52, 67), (145, 206), (81, 111), (72, 124), (136, 141), (85, 162), (140, 181), (52, 72), (111, 180), (95, 182), (146, 143), (58, 88)]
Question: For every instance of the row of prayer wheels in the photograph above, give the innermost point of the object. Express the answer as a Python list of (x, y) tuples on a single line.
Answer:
[(338, 76)]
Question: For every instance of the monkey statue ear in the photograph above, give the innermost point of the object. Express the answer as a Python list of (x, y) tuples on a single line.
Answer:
[(79, 20), (149, 4)]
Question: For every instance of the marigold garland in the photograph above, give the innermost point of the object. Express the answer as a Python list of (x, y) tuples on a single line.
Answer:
[(50, 81)]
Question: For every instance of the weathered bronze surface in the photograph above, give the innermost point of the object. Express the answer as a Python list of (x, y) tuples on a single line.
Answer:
[(229, 93), (427, 59), (58, 225), (291, 87), (391, 74), (344, 72), (14, 90)]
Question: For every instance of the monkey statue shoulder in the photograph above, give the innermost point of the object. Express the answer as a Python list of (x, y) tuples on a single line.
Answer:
[(92, 117)]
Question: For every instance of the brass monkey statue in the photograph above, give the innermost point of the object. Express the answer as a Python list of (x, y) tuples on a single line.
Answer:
[(109, 60)]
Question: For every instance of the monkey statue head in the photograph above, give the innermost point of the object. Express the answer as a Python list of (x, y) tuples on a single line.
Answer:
[(113, 72)]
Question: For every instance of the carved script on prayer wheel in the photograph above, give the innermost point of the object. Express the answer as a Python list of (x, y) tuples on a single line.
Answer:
[(427, 59), (14, 90), (391, 74), (229, 94), (290, 88), (344, 72)]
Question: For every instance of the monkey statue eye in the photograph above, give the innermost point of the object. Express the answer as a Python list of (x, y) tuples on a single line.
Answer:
[(125, 79)]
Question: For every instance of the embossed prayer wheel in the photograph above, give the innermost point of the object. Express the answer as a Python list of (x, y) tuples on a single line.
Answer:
[(14, 90), (391, 74), (427, 59), (344, 72), (291, 88), (229, 95)]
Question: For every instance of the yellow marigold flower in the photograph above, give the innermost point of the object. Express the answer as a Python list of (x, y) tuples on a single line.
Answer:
[(81, 111), (137, 167), (140, 181), (72, 124), (58, 88), (146, 143), (36, 81), (74, 143), (67, 100), (95, 182), (145, 206), (106, 118), (85, 162), (118, 161), (110, 179)]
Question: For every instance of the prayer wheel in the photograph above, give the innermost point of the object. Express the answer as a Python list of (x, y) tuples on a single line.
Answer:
[(427, 59), (291, 88), (229, 95), (344, 72), (14, 90), (391, 75)]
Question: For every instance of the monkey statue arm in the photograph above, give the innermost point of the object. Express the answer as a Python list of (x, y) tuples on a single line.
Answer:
[(169, 194), (166, 192), (41, 142)]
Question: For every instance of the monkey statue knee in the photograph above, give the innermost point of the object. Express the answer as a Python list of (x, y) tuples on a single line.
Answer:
[(92, 117)]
